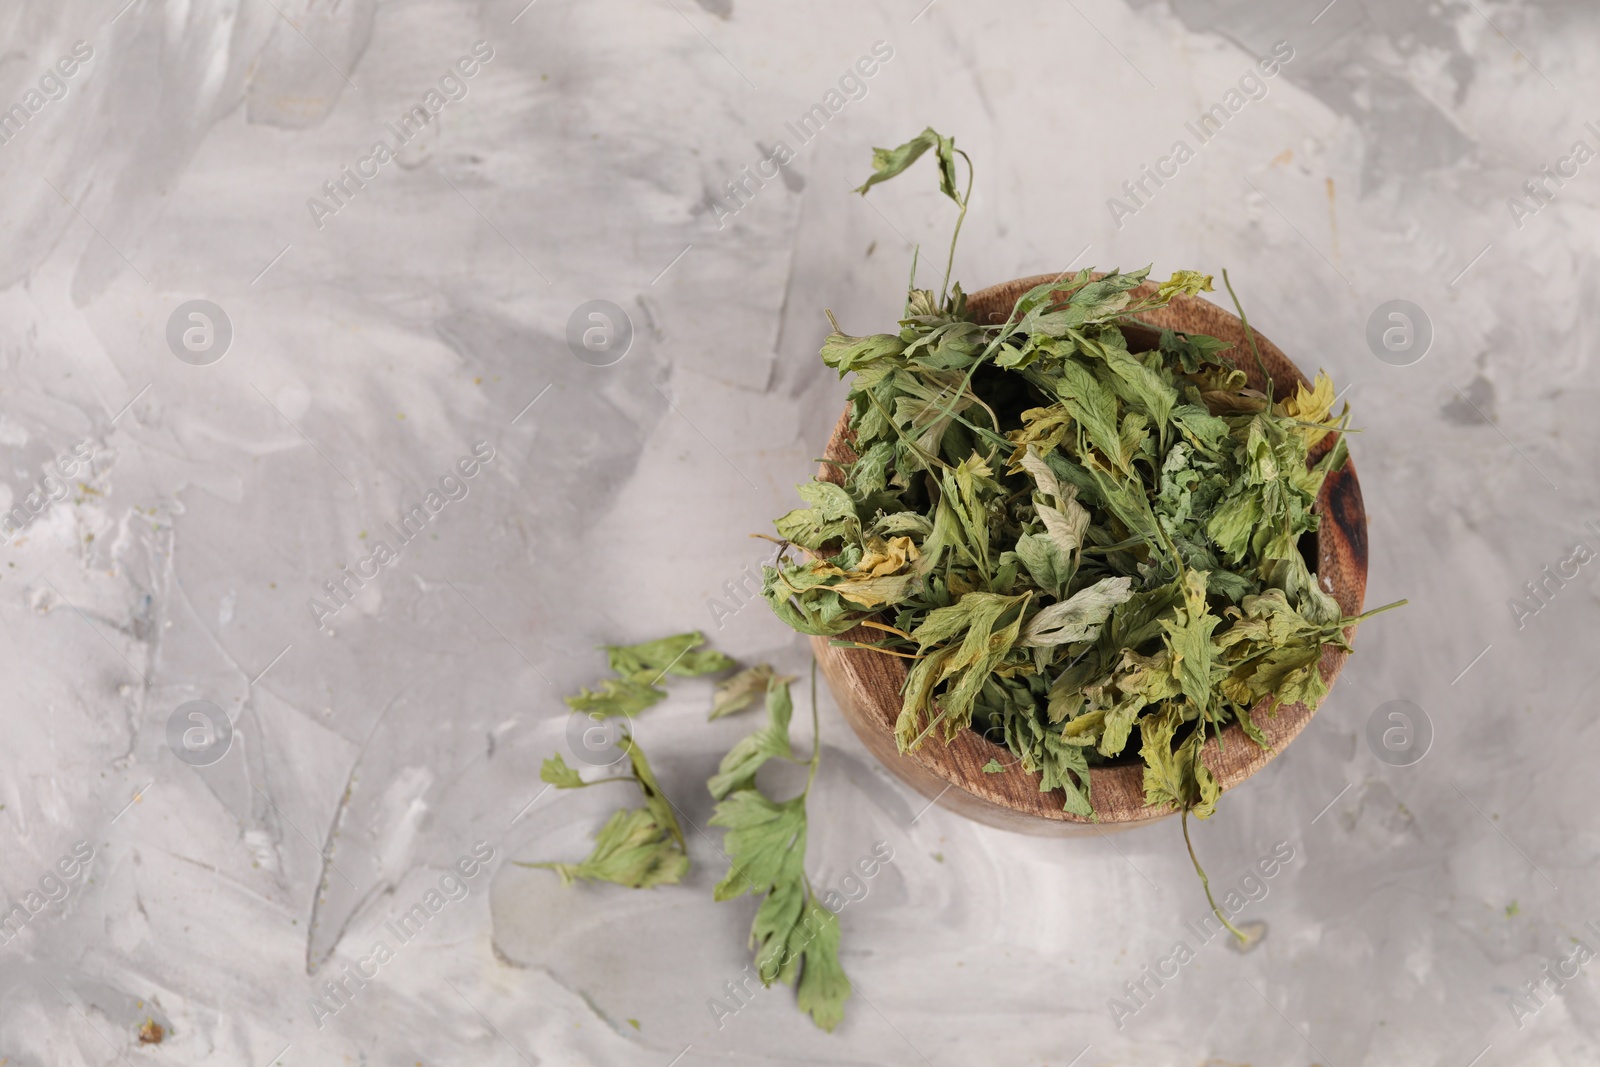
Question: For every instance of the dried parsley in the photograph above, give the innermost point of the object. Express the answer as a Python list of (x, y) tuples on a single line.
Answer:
[(1075, 538), (637, 847), (796, 939), (742, 690), (638, 669)]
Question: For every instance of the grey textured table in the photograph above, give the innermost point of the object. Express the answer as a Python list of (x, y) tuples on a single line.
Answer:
[(186, 485)]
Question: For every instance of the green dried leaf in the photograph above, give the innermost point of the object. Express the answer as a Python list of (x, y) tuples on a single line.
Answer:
[(794, 938), (966, 667), (845, 353), (1188, 641), (738, 768), (1143, 387), (616, 696), (1092, 405), (742, 690), (648, 661), (889, 162), (1049, 567), (1164, 779), (1189, 282), (1192, 351), (824, 986), (555, 771), (1078, 618), (660, 807), (763, 840)]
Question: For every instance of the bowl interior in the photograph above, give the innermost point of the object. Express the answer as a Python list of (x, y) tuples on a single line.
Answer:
[(867, 684)]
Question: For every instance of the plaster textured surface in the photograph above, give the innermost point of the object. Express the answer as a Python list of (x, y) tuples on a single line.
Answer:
[(423, 313)]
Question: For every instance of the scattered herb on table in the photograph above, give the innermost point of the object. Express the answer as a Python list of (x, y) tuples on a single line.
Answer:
[(795, 938), (1073, 539), (742, 690), (637, 847), (639, 667)]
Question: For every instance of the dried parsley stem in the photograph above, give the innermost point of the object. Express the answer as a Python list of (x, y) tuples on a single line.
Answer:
[(886, 627), (1206, 883), (874, 648), (816, 731), (1250, 335), (911, 286), (954, 236), (1365, 615)]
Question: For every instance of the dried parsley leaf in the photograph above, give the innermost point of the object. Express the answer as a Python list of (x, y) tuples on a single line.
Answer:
[(824, 987), (616, 696), (888, 162), (676, 655), (1079, 617), (1188, 642), (640, 667), (741, 691), (738, 768), (1189, 282), (986, 640), (765, 842), (557, 773), (1166, 780)]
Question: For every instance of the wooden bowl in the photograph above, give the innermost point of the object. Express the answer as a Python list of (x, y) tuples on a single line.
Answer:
[(867, 684)]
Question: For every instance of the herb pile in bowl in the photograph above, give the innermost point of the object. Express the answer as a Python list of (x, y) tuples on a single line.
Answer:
[(1074, 537)]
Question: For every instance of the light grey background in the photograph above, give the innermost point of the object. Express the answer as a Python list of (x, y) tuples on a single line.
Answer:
[(587, 161)]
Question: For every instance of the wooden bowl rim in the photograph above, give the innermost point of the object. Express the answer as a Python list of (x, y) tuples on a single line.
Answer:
[(1000, 798)]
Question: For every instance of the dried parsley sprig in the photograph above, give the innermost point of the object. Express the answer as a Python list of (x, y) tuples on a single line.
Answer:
[(639, 667), (796, 939), (637, 847), (888, 162), (1076, 526)]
